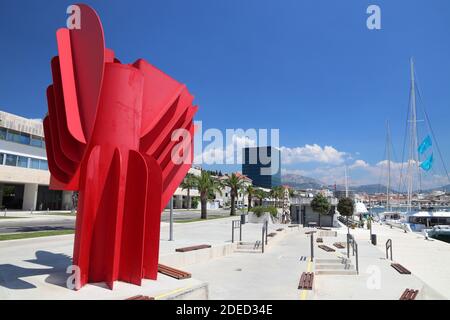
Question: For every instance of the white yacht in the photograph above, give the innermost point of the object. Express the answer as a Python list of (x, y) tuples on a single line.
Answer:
[(429, 220)]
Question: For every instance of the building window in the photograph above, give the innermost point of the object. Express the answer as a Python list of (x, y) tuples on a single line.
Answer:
[(3, 133), (18, 137), (21, 137), (43, 165), (11, 160), (34, 163), (37, 142), (22, 162)]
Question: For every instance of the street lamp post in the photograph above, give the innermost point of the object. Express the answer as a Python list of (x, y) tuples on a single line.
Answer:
[(171, 220)]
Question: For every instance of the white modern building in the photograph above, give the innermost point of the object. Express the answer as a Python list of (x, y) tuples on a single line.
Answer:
[(24, 175), (180, 197)]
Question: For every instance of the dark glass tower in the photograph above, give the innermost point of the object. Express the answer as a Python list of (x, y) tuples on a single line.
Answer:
[(263, 166)]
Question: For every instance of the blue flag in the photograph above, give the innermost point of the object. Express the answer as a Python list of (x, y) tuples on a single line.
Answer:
[(427, 164), (426, 143)]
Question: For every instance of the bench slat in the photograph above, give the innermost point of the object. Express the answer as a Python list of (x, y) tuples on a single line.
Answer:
[(401, 269), (339, 245), (306, 281), (172, 272), (140, 297), (326, 248), (192, 248), (409, 294)]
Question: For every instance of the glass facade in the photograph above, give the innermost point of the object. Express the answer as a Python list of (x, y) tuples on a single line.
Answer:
[(22, 138), (263, 166), (24, 162)]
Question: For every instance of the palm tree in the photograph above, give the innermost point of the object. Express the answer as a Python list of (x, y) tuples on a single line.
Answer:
[(206, 186), (260, 194), (188, 184), (321, 205), (250, 190), (276, 193), (235, 183)]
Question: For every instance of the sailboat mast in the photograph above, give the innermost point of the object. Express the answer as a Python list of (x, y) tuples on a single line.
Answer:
[(346, 182), (413, 157), (388, 151)]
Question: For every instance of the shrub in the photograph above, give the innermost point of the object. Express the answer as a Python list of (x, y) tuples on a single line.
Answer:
[(260, 210), (194, 202)]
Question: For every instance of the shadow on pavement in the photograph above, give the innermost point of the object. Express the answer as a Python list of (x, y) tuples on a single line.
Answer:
[(55, 267)]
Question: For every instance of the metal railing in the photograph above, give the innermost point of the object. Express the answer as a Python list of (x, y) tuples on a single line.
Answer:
[(235, 224), (351, 242), (389, 248), (264, 235)]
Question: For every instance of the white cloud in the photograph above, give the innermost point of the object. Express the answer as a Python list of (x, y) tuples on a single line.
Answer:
[(312, 153), (230, 154), (359, 164)]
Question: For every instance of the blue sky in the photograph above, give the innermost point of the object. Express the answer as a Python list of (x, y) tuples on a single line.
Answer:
[(309, 68)]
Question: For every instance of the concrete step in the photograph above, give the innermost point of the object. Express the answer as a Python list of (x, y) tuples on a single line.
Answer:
[(336, 272), (332, 261), (335, 267), (326, 233)]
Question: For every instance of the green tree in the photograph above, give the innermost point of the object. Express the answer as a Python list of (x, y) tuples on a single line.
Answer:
[(321, 205), (260, 195), (250, 190), (345, 207), (206, 186), (235, 183), (276, 193), (188, 184)]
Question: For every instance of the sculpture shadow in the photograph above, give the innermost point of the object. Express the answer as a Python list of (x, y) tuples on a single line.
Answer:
[(55, 266)]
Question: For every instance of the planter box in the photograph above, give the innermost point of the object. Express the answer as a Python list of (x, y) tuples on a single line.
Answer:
[(253, 218)]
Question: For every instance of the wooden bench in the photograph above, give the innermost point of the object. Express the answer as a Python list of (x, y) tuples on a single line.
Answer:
[(293, 226), (319, 240), (409, 294), (281, 229), (309, 232), (306, 281), (401, 269), (140, 297), (192, 248), (326, 248), (172, 272), (339, 245), (272, 234)]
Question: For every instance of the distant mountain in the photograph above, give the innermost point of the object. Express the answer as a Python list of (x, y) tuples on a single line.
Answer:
[(443, 188), (301, 182), (371, 189)]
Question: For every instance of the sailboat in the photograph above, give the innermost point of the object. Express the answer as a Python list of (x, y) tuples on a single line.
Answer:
[(420, 221), (389, 216)]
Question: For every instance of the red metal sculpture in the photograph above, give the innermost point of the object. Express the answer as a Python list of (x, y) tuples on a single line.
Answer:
[(109, 135)]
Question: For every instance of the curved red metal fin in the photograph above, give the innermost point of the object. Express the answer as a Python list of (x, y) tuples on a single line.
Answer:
[(72, 148), (160, 91), (69, 85), (88, 57), (133, 223), (64, 163), (152, 218)]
